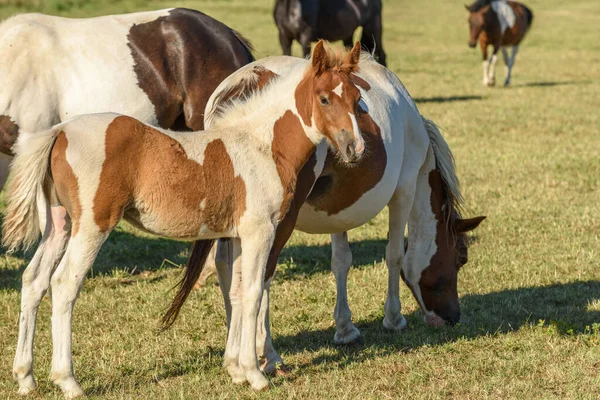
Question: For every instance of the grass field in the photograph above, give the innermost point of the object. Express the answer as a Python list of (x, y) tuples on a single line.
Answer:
[(528, 158)]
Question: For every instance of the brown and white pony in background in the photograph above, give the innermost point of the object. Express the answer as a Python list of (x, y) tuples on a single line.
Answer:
[(407, 166), (501, 24), (236, 180), (310, 20), (159, 67)]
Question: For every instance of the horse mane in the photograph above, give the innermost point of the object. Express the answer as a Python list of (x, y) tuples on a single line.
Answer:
[(479, 4), (445, 165)]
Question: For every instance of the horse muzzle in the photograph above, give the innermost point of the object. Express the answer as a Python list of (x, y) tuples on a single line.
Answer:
[(352, 150), (472, 45)]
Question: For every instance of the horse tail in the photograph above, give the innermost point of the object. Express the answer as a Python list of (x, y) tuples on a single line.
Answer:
[(193, 269), (444, 162), (31, 170), (246, 43)]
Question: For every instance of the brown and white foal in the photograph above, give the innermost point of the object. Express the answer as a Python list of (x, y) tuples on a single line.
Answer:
[(236, 181), (501, 24)]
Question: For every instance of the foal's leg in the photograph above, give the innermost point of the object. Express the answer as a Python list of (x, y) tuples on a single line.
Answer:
[(232, 349), (399, 210), (36, 280), (510, 65), (492, 71), (256, 246), (210, 267), (341, 260), (66, 283), (271, 361)]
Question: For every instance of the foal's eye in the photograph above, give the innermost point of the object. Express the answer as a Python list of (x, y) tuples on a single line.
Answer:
[(323, 100)]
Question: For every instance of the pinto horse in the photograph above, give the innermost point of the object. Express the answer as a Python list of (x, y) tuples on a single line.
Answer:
[(159, 67), (309, 20), (407, 166), (236, 180), (501, 24)]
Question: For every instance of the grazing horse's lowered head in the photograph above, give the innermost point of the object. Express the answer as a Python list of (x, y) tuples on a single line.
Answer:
[(431, 266)]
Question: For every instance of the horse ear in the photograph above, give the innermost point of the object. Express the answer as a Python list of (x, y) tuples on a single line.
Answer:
[(468, 8), (319, 58), (467, 225), (354, 56)]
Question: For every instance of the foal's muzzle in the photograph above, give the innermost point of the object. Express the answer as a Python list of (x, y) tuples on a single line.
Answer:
[(352, 150)]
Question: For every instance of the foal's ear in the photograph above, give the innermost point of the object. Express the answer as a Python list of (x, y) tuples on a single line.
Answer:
[(467, 225), (319, 58), (350, 63)]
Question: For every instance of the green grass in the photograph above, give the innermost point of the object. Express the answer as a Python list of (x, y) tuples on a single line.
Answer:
[(528, 158)]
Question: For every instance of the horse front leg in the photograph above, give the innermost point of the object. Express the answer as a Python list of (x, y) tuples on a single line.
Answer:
[(492, 68), (485, 63), (341, 260), (256, 245), (399, 211)]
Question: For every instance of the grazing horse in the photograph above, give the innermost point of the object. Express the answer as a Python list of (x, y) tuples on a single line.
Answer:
[(407, 166), (501, 24), (236, 180), (310, 20), (159, 67)]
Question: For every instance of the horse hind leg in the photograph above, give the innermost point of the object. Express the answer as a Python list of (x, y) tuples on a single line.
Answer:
[(510, 64), (341, 260), (286, 43), (36, 280), (66, 283)]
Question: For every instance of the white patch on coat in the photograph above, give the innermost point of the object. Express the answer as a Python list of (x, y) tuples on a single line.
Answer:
[(505, 13)]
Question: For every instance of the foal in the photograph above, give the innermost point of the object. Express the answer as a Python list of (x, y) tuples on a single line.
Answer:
[(236, 181), (501, 24)]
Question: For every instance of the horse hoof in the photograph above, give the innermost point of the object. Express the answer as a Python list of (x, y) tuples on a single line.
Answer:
[(397, 325), (257, 380), (346, 336)]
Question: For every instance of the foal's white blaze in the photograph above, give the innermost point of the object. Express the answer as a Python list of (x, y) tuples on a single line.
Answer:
[(359, 147)]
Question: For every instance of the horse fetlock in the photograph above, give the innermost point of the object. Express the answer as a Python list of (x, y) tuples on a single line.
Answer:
[(25, 379), (68, 385), (234, 370)]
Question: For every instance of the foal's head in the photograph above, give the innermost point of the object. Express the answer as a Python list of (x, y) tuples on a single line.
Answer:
[(478, 13), (434, 281), (327, 99)]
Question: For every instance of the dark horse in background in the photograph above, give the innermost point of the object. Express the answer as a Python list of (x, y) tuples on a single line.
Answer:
[(501, 24), (310, 20)]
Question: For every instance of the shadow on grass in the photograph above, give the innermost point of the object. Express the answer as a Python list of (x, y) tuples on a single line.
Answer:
[(562, 307), (122, 251), (554, 83), (448, 99)]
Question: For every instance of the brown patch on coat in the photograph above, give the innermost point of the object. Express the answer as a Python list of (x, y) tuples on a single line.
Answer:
[(360, 82), (65, 181), (180, 59), (304, 184), (291, 149), (243, 89), (9, 131), (148, 173), (339, 187)]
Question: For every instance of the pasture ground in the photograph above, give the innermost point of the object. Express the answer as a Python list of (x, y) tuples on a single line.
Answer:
[(528, 158)]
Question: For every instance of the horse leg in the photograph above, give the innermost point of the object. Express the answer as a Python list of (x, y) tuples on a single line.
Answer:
[(256, 245), (66, 283), (485, 63), (492, 71), (341, 260), (371, 39), (36, 280), (232, 349), (271, 361), (286, 43), (348, 42), (399, 211), (304, 39), (510, 64)]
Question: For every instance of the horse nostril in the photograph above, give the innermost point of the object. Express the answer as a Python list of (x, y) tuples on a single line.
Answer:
[(350, 151)]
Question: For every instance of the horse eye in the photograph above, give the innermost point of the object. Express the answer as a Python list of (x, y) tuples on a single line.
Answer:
[(323, 100)]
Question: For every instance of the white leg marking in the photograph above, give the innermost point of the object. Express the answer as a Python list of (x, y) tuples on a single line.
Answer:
[(341, 260), (232, 349), (492, 71), (66, 283), (264, 345), (486, 66), (36, 280), (399, 211)]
